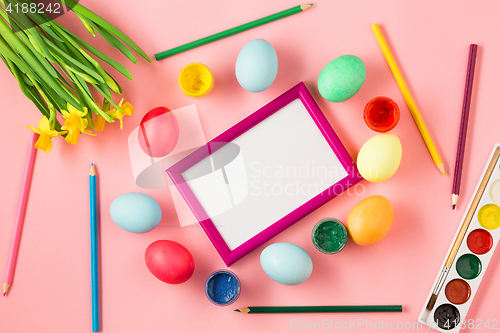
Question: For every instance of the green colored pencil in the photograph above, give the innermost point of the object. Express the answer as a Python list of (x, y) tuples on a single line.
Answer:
[(320, 309), (232, 31)]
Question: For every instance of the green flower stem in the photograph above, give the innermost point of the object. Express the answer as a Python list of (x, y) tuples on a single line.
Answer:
[(123, 49), (29, 42), (28, 90), (75, 62), (32, 31), (50, 106), (107, 79), (74, 52), (88, 99), (113, 63), (113, 41), (87, 26), (17, 74), (8, 53), (110, 100), (54, 67), (91, 16), (26, 54)]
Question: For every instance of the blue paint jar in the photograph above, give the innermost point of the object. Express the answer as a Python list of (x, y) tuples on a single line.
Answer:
[(222, 287)]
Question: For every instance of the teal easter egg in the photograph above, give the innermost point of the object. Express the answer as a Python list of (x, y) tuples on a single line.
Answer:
[(135, 212), (286, 263), (341, 78), (257, 65)]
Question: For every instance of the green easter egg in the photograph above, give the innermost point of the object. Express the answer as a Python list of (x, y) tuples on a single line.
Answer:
[(341, 78)]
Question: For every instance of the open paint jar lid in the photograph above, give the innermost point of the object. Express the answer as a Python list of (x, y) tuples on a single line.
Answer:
[(329, 236), (222, 287), (196, 80)]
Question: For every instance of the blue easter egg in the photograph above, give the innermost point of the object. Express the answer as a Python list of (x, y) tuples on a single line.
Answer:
[(257, 65), (135, 212), (286, 263)]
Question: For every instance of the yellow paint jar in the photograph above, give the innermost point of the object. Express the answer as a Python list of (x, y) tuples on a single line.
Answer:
[(196, 80)]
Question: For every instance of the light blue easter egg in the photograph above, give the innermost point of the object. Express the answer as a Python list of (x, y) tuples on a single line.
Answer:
[(286, 263), (135, 212), (341, 78), (257, 65)]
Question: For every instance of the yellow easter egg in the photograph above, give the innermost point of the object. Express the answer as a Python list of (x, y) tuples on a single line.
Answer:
[(379, 158), (370, 220)]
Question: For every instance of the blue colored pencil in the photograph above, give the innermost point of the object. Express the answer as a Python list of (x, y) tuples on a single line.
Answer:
[(93, 250)]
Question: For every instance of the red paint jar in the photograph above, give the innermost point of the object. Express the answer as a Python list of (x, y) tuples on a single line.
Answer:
[(480, 241), (381, 114)]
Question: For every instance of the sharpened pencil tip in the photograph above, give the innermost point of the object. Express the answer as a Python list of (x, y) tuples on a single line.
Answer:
[(454, 206), (4, 294), (92, 170), (237, 310), (440, 166)]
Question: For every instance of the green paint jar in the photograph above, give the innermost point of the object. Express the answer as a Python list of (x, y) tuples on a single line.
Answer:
[(329, 236)]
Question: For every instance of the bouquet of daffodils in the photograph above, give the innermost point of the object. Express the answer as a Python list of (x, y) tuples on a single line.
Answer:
[(55, 68)]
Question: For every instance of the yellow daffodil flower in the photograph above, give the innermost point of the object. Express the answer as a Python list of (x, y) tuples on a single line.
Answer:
[(75, 123), (99, 120), (46, 133), (127, 108)]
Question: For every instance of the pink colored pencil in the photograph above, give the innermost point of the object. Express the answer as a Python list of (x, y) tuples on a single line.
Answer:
[(21, 208)]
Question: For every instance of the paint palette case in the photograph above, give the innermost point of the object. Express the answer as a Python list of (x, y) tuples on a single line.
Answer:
[(457, 284)]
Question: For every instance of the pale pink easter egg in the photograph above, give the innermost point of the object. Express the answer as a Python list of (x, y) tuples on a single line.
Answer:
[(158, 132)]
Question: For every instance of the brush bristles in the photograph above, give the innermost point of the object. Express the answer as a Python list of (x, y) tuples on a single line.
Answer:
[(432, 302)]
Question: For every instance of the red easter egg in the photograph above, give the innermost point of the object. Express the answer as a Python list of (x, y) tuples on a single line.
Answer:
[(158, 132), (169, 261)]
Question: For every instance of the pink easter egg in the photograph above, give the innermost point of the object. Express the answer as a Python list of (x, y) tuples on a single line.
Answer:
[(169, 261), (158, 132)]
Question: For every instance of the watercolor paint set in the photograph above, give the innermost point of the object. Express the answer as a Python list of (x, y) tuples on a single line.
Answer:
[(465, 264)]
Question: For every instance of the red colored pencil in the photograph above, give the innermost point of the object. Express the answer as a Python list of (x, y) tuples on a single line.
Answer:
[(463, 125)]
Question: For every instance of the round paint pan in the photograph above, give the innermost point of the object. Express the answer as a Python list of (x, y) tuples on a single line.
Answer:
[(447, 317), (495, 191), (480, 241), (468, 266), (222, 287), (457, 291), (489, 216)]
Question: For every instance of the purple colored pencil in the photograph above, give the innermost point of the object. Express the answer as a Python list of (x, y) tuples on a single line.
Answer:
[(463, 125)]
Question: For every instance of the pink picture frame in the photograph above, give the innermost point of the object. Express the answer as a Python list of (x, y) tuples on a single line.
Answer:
[(352, 177)]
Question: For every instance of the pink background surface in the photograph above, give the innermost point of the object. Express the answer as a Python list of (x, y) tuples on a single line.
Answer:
[(430, 41)]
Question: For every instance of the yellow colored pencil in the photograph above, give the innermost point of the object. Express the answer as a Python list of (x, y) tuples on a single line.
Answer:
[(409, 100)]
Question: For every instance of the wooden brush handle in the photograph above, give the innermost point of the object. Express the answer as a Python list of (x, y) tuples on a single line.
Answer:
[(472, 209)]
